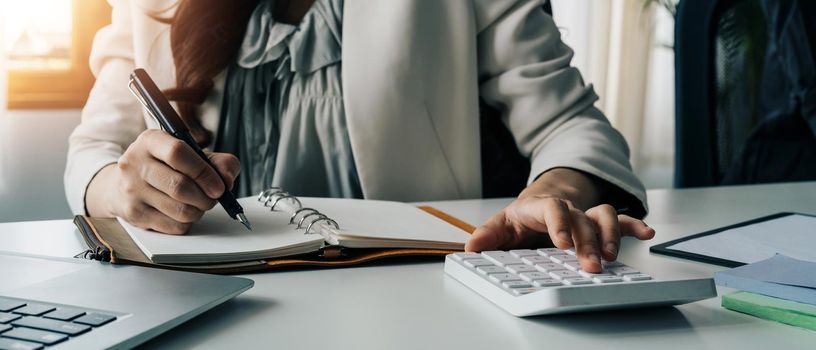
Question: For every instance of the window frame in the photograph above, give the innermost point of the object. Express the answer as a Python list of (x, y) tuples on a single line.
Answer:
[(62, 88)]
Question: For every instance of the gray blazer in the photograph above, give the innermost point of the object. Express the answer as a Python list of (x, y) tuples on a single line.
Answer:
[(413, 72)]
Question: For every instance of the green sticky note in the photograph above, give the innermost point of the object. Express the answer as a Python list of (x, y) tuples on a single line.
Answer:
[(774, 309)]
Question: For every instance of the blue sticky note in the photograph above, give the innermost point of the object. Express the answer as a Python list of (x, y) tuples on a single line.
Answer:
[(780, 277)]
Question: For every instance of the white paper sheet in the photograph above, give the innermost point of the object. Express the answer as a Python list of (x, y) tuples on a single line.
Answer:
[(217, 238), (386, 220), (792, 235)]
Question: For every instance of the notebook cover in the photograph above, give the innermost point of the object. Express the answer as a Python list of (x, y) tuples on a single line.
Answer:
[(774, 309), (108, 241)]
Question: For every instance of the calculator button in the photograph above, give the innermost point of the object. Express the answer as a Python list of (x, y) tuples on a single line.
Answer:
[(530, 276), (549, 267), (503, 277), (517, 284), (501, 258), (520, 253), (522, 291), (563, 258), (464, 256), (550, 251), (532, 260), (637, 277), (577, 281), (592, 275), (572, 265), (477, 262), (608, 264), (562, 274), (547, 282), (486, 270), (570, 251), (623, 270), (520, 268), (607, 279)]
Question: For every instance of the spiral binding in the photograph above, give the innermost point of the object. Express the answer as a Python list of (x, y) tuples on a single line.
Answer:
[(98, 253), (272, 196)]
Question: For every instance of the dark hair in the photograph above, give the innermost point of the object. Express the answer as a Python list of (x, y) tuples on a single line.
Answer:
[(204, 36)]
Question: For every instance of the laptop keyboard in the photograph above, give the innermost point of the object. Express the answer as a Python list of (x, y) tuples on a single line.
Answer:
[(34, 325)]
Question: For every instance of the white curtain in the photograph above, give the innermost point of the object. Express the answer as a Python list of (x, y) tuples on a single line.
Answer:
[(616, 46)]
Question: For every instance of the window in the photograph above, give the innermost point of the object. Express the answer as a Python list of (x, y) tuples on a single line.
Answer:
[(46, 44)]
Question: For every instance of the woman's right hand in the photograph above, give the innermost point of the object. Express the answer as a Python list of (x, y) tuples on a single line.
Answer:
[(160, 183)]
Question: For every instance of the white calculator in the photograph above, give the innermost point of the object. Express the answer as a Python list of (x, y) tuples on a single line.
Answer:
[(530, 282)]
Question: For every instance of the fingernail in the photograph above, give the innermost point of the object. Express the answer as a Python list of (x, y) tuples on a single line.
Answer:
[(611, 248), (594, 257), (565, 236)]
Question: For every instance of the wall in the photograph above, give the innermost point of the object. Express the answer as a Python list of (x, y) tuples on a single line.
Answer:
[(32, 160), (33, 145)]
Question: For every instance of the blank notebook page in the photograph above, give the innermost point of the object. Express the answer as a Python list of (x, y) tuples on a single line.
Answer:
[(386, 220), (217, 234)]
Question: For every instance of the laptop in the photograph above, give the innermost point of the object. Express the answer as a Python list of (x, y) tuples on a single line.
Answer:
[(64, 303)]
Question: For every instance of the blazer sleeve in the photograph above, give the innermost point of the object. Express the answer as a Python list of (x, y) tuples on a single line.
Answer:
[(525, 73), (111, 119)]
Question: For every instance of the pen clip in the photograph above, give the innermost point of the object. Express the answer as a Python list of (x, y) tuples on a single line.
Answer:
[(135, 91)]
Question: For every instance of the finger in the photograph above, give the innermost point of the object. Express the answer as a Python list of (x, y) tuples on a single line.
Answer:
[(164, 224), (557, 215), (491, 235), (606, 220), (147, 217), (175, 184), (525, 223), (178, 211), (228, 166), (636, 228), (179, 156), (536, 222), (586, 241)]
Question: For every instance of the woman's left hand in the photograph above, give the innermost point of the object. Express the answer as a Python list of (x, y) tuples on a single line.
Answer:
[(548, 213)]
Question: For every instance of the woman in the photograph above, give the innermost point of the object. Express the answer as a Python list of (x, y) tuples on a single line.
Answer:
[(373, 99)]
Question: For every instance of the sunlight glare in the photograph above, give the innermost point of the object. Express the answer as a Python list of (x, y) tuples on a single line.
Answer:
[(36, 33)]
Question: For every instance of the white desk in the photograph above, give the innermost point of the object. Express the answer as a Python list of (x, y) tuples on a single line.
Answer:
[(413, 305)]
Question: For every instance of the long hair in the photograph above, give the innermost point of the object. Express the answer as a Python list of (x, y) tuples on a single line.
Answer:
[(204, 37)]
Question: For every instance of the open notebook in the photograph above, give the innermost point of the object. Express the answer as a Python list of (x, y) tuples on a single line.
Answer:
[(284, 225)]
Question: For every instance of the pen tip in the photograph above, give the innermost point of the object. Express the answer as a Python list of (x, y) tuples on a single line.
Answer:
[(243, 219)]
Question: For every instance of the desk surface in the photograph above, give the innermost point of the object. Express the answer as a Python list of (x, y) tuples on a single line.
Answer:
[(413, 305)]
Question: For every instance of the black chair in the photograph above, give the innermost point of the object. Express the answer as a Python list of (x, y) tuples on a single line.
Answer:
[(720, 46)]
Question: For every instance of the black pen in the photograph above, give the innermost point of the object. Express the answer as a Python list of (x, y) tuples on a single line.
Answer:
[(159, 107)]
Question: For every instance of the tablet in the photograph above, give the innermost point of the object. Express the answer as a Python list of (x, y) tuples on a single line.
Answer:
[(791, 234)]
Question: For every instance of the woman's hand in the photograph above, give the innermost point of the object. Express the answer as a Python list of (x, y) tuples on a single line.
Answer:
[(160, 183), (551, 212)]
